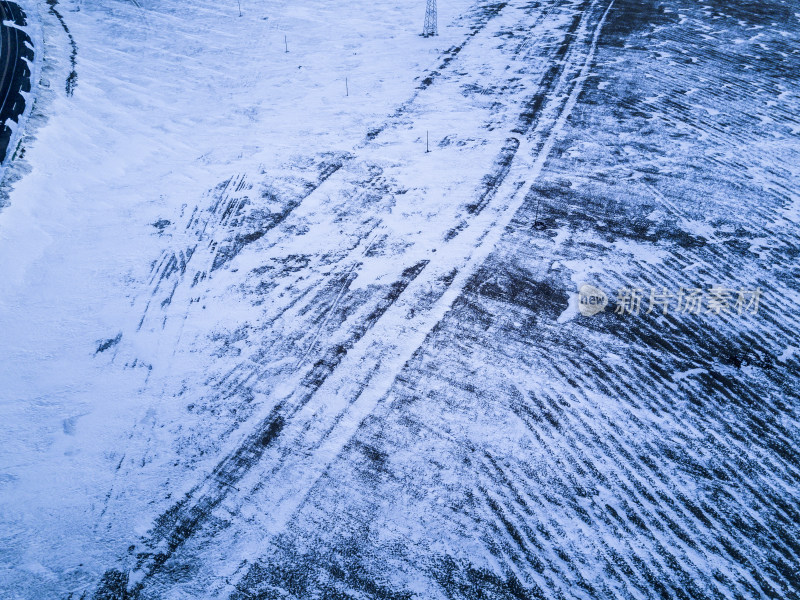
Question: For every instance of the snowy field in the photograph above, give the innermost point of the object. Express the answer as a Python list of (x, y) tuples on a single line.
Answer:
[(256, 342)]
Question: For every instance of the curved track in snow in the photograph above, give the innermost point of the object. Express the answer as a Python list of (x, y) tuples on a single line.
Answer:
[(290, 449)]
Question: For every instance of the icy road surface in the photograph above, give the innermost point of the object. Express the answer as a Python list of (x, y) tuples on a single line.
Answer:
[(257, 343)]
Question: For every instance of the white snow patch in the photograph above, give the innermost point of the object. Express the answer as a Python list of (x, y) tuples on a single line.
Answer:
[(680, 375), (646, 253), (788, 353)]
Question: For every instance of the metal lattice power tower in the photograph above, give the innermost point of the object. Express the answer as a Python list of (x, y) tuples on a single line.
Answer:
[(430, 27)]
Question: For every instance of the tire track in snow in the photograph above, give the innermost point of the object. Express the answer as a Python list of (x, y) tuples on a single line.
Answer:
[(379, 356), (324, 429), (205, 224)]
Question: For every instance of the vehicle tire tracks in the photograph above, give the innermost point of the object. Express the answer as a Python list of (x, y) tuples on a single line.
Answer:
[(304, 418)]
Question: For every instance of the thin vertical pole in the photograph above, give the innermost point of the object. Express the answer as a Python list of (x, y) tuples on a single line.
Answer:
[(537, 224), (239, 2), (427, 142), (346, 87), (285, 43)]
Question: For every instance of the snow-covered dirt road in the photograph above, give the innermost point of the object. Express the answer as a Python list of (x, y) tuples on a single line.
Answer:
[(290, 353)]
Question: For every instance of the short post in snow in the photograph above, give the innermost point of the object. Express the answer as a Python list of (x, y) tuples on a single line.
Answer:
[(537, 224), (239, 2), (285, 43), (346, 87), (427, 143)]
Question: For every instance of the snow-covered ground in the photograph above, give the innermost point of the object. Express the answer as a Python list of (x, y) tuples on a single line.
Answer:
[(257, 342)]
